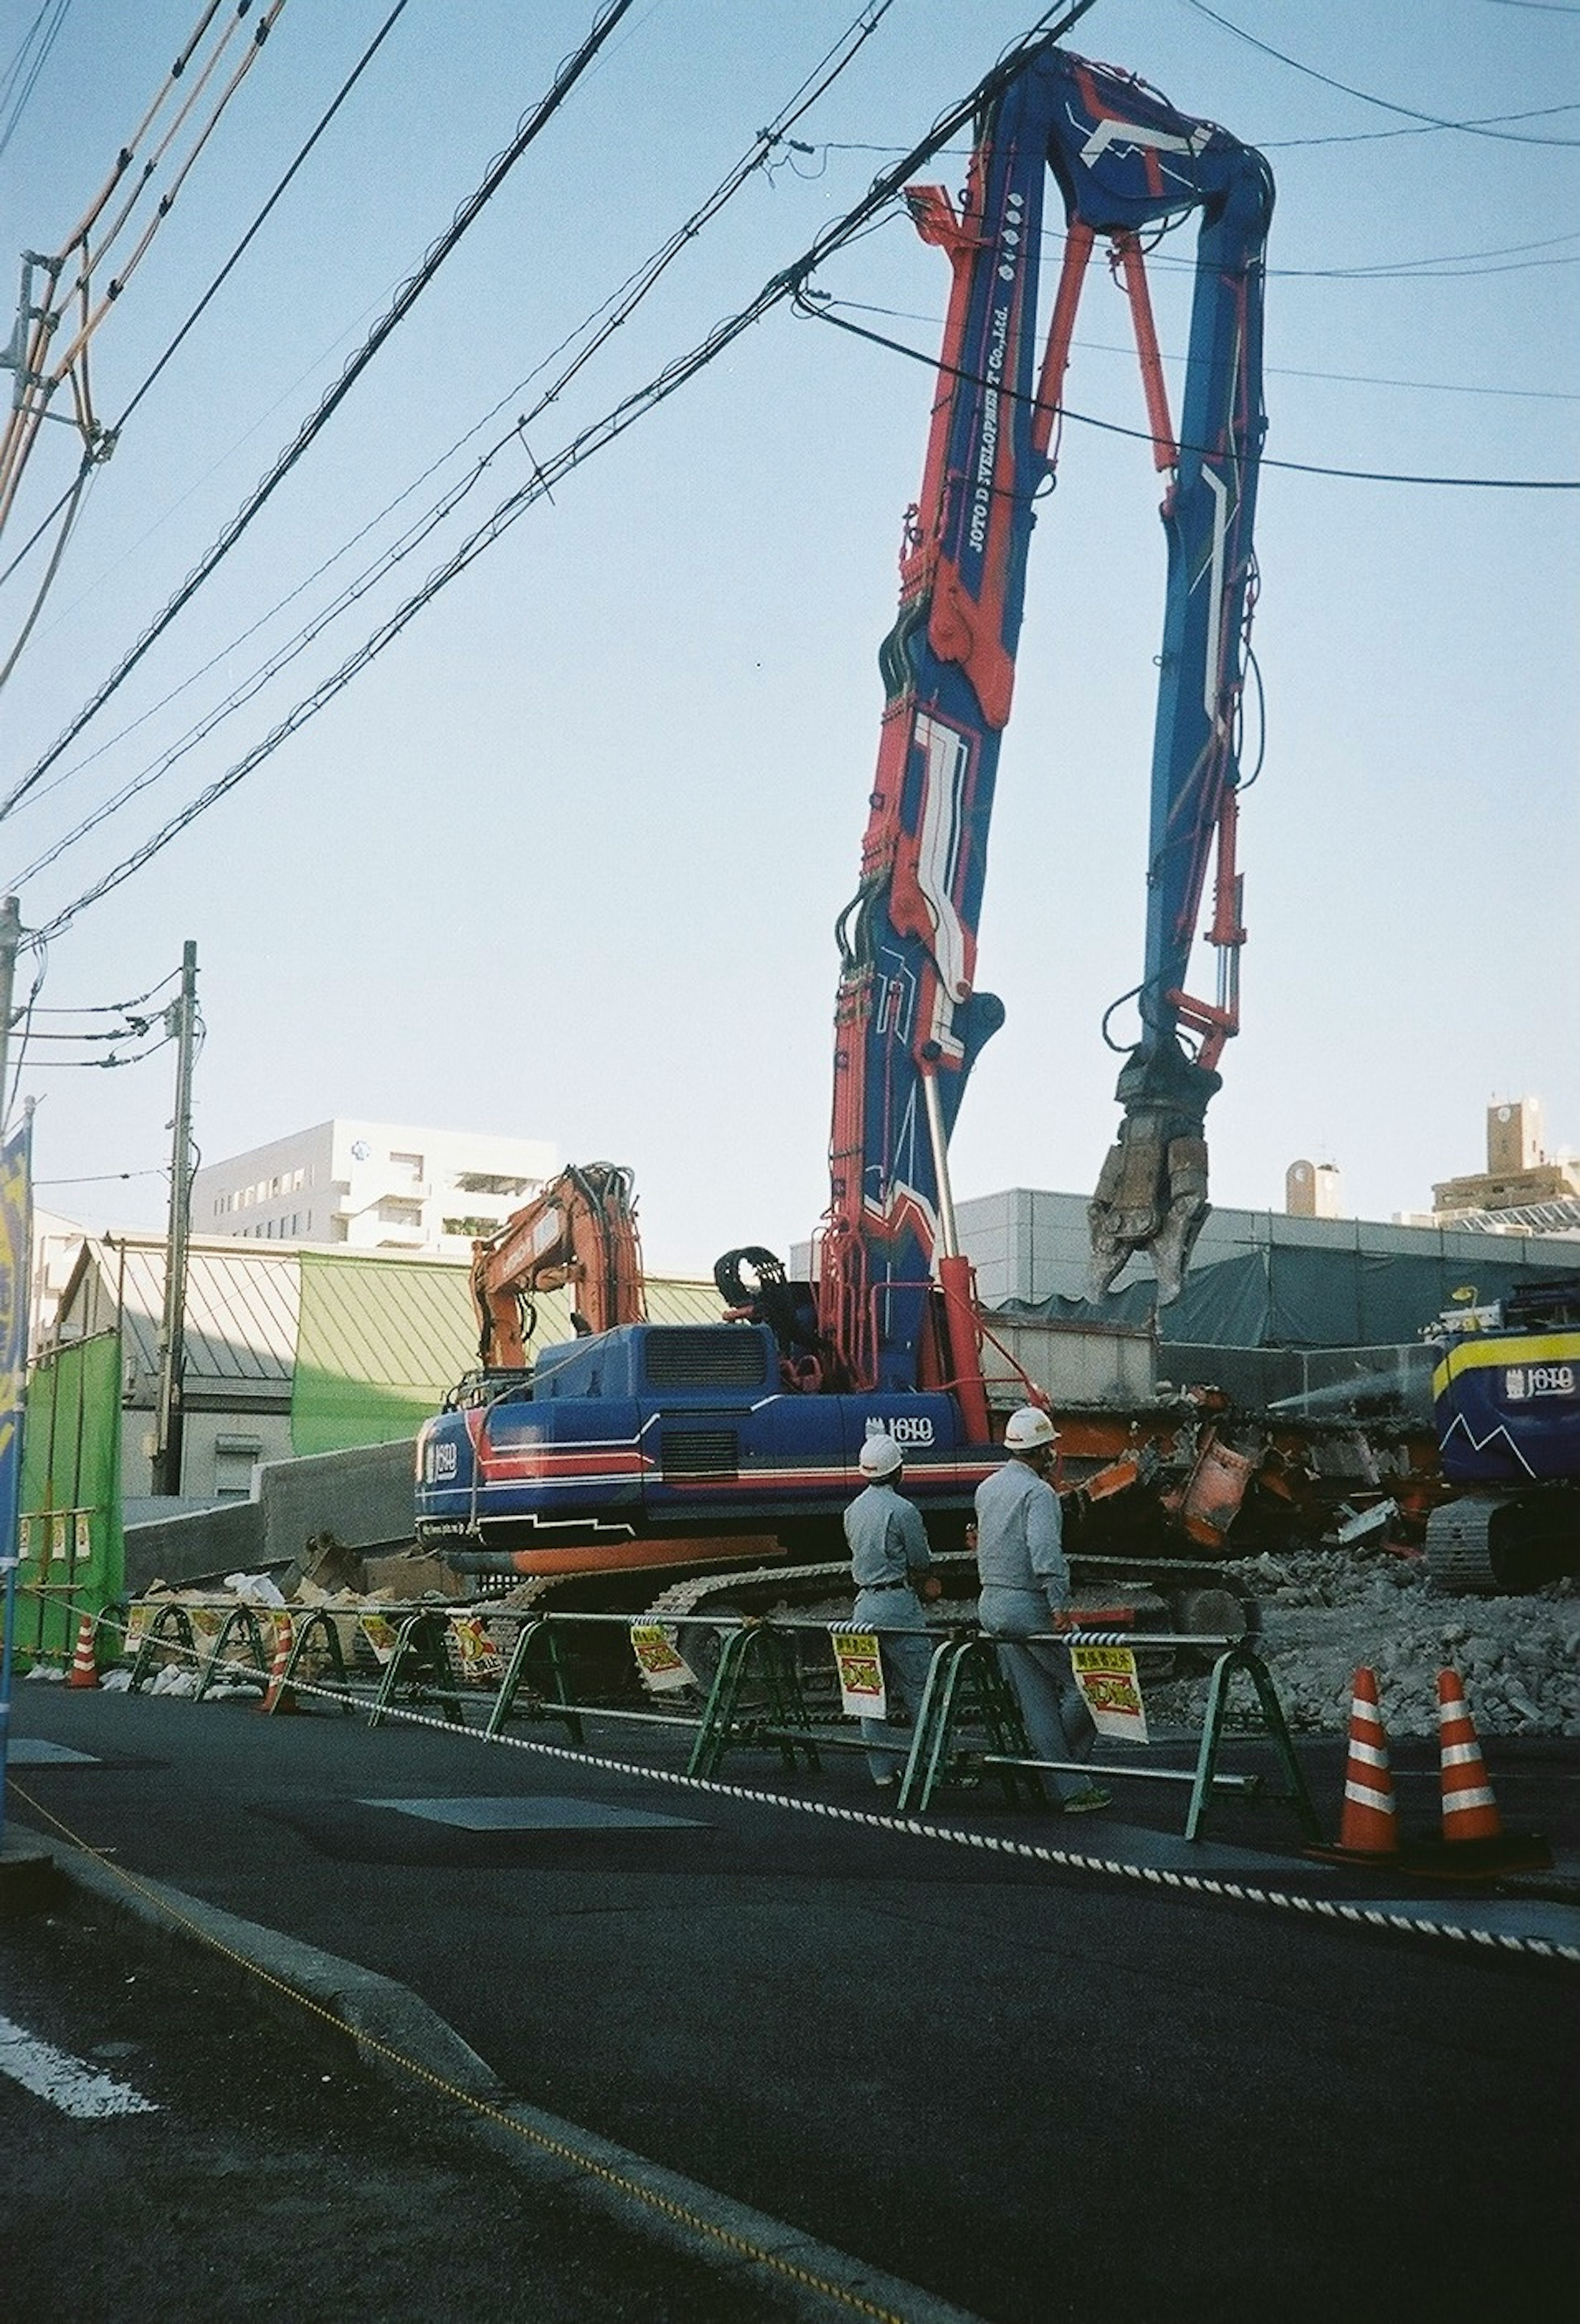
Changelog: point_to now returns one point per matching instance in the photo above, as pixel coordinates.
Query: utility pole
(10, 943)
(180, 1020)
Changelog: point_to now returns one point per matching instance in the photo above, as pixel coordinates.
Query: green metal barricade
(755, 1701)
(537, 1645)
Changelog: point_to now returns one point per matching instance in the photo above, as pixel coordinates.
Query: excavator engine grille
(700, 1453)
(703, 1356)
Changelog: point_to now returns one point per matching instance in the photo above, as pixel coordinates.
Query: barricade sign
(1111, 1685)
(206, 1622)
(137, 1622)
(862, 1691)
(380, 1634)
(661, 1666)
(477, 1655)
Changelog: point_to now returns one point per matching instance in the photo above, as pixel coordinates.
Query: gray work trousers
(906, 1663)
(1058, 1725)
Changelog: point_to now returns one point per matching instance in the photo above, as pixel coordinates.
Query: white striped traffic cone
(1475, 1845)
(1470, 1812)
(281, 1699)
(1369, 1825)
(84, 1670)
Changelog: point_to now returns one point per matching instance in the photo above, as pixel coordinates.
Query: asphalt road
(1039, 2094)
(263, 2173)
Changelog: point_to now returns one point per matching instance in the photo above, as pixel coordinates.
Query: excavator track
(1488, 1545)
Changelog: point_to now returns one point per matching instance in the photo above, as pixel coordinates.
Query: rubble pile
(1324, 1612)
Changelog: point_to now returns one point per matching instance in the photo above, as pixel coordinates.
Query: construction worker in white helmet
(1025, 1582)
(890, 1564)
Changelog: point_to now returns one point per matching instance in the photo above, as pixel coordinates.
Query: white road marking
(50, 2073)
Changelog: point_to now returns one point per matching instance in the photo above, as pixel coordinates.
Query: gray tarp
(1286, 1296)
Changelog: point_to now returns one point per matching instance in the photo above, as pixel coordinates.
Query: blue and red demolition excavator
(614, 1447)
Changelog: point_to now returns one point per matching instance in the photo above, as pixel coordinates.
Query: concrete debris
(1324, 1612)
(174, 1680)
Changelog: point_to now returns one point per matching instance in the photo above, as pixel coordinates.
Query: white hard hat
(1030, 1429)
(879, 1457)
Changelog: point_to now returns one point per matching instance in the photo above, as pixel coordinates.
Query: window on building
(484, 1181)
(471, 1227)
(296, 1177)
(235, 1459)
(393, 1212)
(409, 1164)
(246, 1198)
(339, 1230)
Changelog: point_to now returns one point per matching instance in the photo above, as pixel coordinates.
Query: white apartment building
(372, 1185)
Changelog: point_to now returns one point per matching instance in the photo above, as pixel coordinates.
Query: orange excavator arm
(579, 1230)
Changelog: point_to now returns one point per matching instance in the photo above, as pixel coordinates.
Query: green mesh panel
(72, 1555)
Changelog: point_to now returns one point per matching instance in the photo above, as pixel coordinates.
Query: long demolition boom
(910, 1020)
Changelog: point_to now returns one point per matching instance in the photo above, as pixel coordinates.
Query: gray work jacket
(1020, 1545)
(888, 1540)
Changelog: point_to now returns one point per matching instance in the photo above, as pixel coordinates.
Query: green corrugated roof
(381, 1339)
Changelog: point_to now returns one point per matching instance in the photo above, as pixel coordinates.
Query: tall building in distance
(1522, 1181)
(1312, 1190)
(371, 1185)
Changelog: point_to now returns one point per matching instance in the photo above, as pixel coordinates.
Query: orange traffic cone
(84, 1670)
(279, 1699)
(1470, 1812)
(1369, 1826)
(1474, 1844)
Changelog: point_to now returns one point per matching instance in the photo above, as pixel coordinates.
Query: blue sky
(565, 862)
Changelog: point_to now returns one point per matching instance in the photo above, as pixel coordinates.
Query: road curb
(380, 2017)
(27, 1874)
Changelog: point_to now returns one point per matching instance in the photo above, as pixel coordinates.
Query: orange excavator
(579, 1231)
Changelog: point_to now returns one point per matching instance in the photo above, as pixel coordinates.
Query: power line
(820, 312)
(73, 508)
(531, 127)
(37, 534)
(101, 1177)
(1455, 266)
(1272, 371)
(1385, 104)
(96, 1064)
(595, 438)
(609, 316)
(347, 86)
(1424, 126)
(251, 686)
(67, 279)
(45, 35)
(112, 1008)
